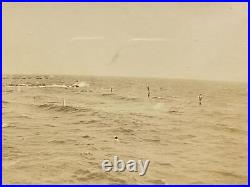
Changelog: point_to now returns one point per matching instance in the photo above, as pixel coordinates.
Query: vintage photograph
(124, 93)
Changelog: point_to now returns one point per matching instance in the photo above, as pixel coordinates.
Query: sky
(206, 41)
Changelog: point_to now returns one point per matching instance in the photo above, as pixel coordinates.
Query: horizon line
(125, 76)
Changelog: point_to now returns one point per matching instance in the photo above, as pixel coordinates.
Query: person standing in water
(148, 91)
(111, 90)
(200, 98)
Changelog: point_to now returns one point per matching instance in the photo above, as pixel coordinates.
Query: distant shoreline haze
(125, 77)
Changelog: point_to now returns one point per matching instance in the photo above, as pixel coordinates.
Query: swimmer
(200, 98)
(116, 139)
(148, 91)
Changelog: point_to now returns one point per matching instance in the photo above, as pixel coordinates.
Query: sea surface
(55, 132)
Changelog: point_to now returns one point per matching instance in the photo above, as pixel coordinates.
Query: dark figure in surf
(200, 98)
(148, 91)
(111, 90)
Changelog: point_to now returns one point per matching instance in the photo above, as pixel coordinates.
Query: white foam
(83, 84)
(57, 86)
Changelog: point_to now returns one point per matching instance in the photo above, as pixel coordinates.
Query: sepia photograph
(125, 93)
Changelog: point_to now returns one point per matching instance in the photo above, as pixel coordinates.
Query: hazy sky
(173, 40)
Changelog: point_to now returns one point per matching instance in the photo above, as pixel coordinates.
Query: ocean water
(56, 133)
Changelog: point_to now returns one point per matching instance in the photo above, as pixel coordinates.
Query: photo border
(111, 1)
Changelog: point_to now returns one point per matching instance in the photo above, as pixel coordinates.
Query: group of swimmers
(200, 97)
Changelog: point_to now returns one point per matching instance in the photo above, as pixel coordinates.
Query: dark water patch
(90, 144)
(57, 141)
(175, 111)
(107, 94)
(92, 121)
(49, 125)
(85, 136)
(8, 91)
(79, 122)
(53, 102)
(57, 108)
(9, 147)
(123, 98)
